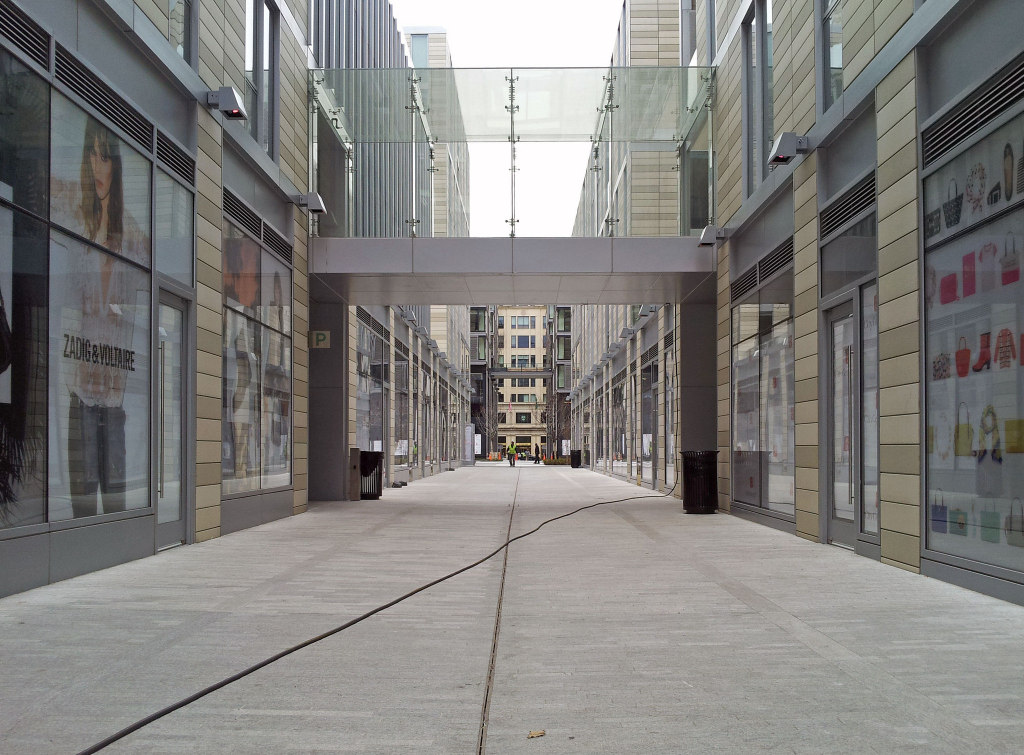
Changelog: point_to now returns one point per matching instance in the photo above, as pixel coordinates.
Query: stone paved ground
(627, 628)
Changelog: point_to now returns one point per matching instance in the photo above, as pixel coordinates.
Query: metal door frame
(849, 302)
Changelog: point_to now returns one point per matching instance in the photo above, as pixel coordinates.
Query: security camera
(312, 202)
(229, 102)
(788, 146)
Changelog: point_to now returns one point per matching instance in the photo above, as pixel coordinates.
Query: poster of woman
(99, 319)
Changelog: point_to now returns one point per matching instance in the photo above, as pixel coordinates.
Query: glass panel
(24, 144)
(370, 391)
(842, 334)
(267, 98)
(241, 271)
(240, 458)
(869, 410)
(179, 34)
(170, 366)
(834, 54)
(778, 394)
(99, 421)
(251, 67)
(746, 437)
(850, 256)
(619, 439)
(99, 186)
(172, 229)
(401, 390)
(276, 417)
(276, 288)
(974, 363)
(24, 361)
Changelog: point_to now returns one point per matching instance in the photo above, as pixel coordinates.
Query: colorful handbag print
(963, 358)
(953, 205)
(1006, 349)
(986, 267)
(948, 289)
(969, 275)
(932, 223)
(990, 525)
(963, 435)
(1009, 262)
(1014, 436)
(942, 366)
(959, 522)
(938, 513)
(1013, 525)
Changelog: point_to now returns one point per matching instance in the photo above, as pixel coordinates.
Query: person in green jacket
(512, 454)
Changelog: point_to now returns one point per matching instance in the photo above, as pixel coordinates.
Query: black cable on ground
(143, 722)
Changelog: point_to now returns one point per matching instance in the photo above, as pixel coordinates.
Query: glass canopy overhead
(634, 104)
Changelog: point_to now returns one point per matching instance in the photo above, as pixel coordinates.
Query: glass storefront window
(24, 361)
(974, 358)
(401, 390)
(275, 419)
(240, 467)
(99, 414)
(869, 410)
(763, 399)
(24, 144)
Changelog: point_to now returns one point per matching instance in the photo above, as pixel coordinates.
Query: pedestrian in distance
(511, 454)
(536, 453)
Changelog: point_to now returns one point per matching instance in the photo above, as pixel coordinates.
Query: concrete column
(331, 426)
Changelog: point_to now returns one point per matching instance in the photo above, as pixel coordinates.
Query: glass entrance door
(841, 414)
(171, 482)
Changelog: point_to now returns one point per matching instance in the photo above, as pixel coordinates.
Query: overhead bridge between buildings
(572, 270)
(519, 372)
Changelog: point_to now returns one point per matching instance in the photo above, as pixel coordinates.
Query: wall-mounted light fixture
(228, 101)
(311, 202)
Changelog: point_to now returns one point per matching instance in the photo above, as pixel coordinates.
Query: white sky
(525, 33)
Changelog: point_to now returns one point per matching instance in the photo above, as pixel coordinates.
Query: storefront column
(723, 355)
(209, 330)
(899, 318)
(805, 347)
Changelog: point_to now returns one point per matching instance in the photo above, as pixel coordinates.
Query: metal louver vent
(90, 88)
(277, 243)
(742, 285)
(364, 317)
(849, 205)
(649, 356)
(775, 261)
(26, 35)
(991, 99)
(175, 158)
(237, 211)
(670, 340)
(402, 349)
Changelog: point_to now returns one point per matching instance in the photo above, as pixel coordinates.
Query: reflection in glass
(169, 463)
(24, 125)
(401, 390)
(275, 421)
(172, 229)
(99, 420)
(842, 419)
(833, 35)
(240, 466)
(850, 256)
(241, 271)
(276, 290)
(746, 423)
(24, 358)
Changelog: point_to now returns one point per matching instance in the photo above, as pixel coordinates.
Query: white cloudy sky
(526, 33)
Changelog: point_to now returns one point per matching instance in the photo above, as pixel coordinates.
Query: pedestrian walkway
(625, 628)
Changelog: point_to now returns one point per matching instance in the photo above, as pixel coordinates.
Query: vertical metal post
(512, 109)
(413, 109)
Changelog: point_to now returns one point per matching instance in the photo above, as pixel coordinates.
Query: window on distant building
(758, 101)
(832, 35)
(261, 52)
(523, 418)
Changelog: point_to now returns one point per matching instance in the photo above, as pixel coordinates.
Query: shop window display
(975, 352)
(763, 399)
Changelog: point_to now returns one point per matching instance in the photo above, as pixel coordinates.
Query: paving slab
(626, 628)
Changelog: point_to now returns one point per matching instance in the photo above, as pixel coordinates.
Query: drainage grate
(90, 88)
(25, 33)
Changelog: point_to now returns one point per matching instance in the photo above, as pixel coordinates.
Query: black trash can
(371, 474)
(700, 482)
(575, 458)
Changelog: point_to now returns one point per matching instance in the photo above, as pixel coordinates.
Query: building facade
(522, 378)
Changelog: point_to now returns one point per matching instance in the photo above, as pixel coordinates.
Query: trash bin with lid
(371, 474)
(700, 482)
(575, 458)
